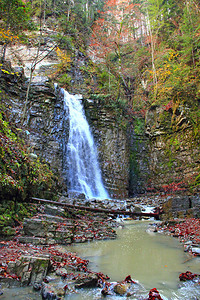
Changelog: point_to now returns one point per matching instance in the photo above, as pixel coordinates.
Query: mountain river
(152, 259)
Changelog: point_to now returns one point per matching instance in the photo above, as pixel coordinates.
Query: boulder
(31, 269)
(121, 288)
(49, 292)
(89, 280)
(61, 272)
(35, 227)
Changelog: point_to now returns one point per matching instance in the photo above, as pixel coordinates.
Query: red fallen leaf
(65, 287)
(187, 276)
(128, 279)
(15, 277)
(154, 295)
(46, 280)
(102, 276)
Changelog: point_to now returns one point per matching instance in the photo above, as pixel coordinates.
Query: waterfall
(84, 175)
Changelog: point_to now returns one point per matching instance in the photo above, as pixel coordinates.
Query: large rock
(121, 288)
(44, 231)
(89, 280)
(31, 269)
(51, 293)
(36, 227)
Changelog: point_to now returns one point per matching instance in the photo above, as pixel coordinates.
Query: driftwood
(155, 214)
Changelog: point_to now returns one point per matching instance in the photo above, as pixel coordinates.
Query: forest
(99, 144)
(139, 55)
(143, 52)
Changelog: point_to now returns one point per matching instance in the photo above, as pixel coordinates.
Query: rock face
(48, 130)
(47, 122)
(46, 125)
(113, 148)
(182, 206)
(139, 162)
(173, 150)
(162, 160)
(173, 160)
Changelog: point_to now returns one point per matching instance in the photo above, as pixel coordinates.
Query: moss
(139, 126)
(20, 176)
(8, 231)
(40, 264)
(12, 214)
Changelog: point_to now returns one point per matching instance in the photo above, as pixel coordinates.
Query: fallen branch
(101, 210)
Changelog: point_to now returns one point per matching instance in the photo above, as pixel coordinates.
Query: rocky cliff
(161, 159)
(174, 155)
(46, 129)
(113, 148)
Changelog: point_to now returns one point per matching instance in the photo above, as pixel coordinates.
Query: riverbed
(154, 259)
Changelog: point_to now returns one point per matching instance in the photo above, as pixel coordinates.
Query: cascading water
(84, 175)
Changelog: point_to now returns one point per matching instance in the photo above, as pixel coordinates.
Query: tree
(114, 39)
(15, 17)
(38, 57)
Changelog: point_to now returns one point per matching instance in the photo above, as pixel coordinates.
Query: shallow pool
(152, 259)
(155, 260)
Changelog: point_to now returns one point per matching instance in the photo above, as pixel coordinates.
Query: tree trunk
(155, 214)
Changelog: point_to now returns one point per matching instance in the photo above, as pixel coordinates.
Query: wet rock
(60, 292)
(121, 288)
(152, 229)
(76, 195)
(48, 292)
(61, 272)
(37, 286)
(136, 209)
(89, 280)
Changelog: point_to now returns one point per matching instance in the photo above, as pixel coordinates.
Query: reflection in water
(153, 259)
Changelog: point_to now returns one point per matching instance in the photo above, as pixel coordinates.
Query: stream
(155, 260)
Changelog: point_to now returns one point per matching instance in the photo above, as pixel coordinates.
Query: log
(156, 214)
